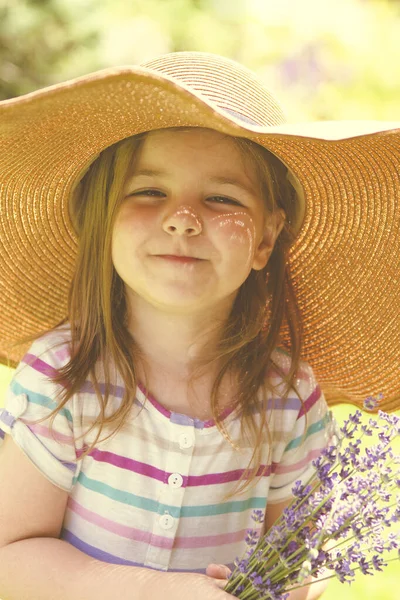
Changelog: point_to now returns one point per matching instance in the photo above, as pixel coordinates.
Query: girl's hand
(219, 572)
(187, 586)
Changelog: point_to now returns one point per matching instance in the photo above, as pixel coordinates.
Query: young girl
(154, 218)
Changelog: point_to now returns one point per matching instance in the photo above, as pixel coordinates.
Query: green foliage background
(330, 60)
(336, 59)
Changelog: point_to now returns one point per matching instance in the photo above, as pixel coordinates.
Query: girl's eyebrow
(149, 172)
(235, 182)
(215, 179)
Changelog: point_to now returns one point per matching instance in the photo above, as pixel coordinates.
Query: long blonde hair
(97, 309)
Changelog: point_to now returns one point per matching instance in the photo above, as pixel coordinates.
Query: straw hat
(346, 258)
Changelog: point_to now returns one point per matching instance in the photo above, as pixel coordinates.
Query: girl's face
(191, 193)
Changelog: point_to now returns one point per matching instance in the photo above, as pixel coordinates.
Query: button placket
(178, 463)
(175, 480)
(186, 440)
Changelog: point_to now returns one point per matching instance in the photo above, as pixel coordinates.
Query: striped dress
(152, 494)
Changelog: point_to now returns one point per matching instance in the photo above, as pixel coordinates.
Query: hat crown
(230, 85)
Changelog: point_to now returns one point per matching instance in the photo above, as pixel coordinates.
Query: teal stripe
(39, 399)
(155, 507)
(314, 428)
(283, 351)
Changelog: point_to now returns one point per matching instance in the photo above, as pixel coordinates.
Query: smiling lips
(179, 259)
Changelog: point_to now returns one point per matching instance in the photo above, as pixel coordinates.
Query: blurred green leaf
(324, 60)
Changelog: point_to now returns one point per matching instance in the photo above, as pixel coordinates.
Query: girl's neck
(176, 344)
(175, 356)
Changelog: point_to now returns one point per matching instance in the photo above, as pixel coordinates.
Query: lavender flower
(351, 501)
(370, 402)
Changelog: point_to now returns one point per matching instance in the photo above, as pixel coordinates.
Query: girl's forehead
(210, 145)
(238, 161)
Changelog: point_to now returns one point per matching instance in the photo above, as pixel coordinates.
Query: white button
(185, 440)
(175, 480)
(166, 521)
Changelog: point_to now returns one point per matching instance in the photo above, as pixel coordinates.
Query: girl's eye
(147, 193)
(158, 193)
(228, 200)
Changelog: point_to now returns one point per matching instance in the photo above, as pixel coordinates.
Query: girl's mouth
(180, 259)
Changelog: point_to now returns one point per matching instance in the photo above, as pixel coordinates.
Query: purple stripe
(180, 419)
(94, 552)
(147, 470)
(6, 417)
(9, 420)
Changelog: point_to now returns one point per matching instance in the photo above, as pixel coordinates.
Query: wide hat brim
(345, 261)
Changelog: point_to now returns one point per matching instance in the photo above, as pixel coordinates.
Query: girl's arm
(52, 569)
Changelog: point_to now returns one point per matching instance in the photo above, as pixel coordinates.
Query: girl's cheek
(136, 222)
(238, 232)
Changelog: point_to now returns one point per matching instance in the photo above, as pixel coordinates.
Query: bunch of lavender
(338, 521)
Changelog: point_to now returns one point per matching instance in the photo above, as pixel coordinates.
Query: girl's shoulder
(304, 384)
(31, 397)
(52, 348)
(41, 362)
(305, 406)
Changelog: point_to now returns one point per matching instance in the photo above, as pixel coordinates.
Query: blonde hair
(97, 310)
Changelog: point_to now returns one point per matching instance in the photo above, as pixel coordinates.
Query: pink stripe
(132, 533)
(63, 353)
(210, 540)
(309, 403)
(45, 432)
(302, 373)
(281, 470)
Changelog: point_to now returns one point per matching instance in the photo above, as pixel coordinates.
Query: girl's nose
(183, 220)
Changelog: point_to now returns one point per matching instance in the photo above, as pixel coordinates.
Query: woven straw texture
(346, 259)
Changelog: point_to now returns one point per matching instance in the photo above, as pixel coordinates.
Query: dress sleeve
(30, 396)
(310, 428)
